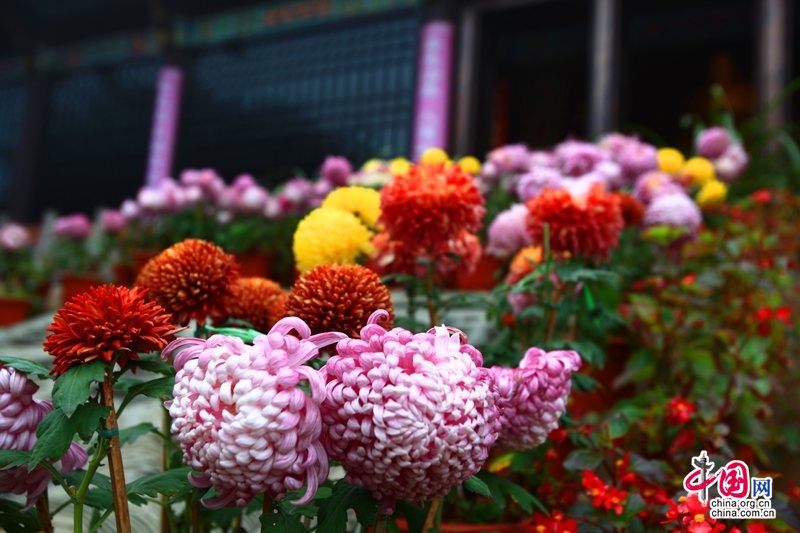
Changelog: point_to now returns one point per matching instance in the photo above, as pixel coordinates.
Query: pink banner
(432, 106)
(165, 123)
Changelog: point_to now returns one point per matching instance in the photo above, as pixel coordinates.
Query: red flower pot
(255, 264)
(75, 284)
(124, 275)
(482, 277)
(13, 310)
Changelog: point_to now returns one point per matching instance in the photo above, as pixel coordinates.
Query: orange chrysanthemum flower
(431, 203)
(583, 226)
(259, 301)
(190, 279)
(525, 262)
(338, 298)
(461, 253)
(105, 321)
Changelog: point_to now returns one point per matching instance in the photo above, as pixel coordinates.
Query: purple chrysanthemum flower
(712, 142)
(508, 232)
(676, 210)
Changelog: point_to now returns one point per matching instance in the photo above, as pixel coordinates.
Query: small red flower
(764, 314)
(555, 523)
(105, 321)
(684, 441)
(679, 411)
(784, 314)
(688, 279)
(761, 196)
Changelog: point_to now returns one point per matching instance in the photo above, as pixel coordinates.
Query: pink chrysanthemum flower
(676, 210)
(637, 158)
(533, 183)
(654, 184)
(508, 232)
(20, 414)
(532, 397)
(242, 418)
(732, 163)
(712, 142)
(336, 170)
(408, 415)
(579, 157)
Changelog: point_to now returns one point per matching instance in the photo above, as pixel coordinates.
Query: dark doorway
(533, 74)
(673, 51)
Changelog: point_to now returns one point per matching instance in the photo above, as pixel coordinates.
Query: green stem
(100, 520)
(99, 453)
(431, 295)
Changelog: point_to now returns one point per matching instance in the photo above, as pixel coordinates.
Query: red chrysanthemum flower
(105, 321)
(584, 226)
(431, 203)
(190, 279)
(338, 298)
(632, 210)
(461, 253)
(259, 301)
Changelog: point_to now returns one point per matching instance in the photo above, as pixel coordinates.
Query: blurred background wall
(271, 87)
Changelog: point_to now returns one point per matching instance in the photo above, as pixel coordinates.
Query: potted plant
(15, 266)
(70, 253)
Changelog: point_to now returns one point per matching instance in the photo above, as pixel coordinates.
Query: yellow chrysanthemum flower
(372, 165)
(328, 236)
(399, 165)
(670, 160)
(712, 194)
(360, 201)
(470, 164)
(700, 169)
(433, 156)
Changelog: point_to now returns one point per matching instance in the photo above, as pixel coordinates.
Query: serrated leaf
(478, 486)
(499, 485)
(160, 388)
(12, 458)
(71, 389)
(173, 481)
(26, 365)
(279, 522)
(86, 419)
(53, 437)
(130, 434)
(582, 460)
(155, 365)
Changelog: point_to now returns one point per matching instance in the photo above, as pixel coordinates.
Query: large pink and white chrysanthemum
(408, 415)
(242, 417)
(20, 415)
(532, 397)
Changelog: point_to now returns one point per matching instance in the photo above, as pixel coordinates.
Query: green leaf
(154, 365)
(53, 437)
(130, 434)
(247, 335)
(171, 482)
(478, 486)
(584, 383)
(498, 484)
(279, 522)
(582, 460)
(72, 387)
(16, 520)
(156, 388)
(12, 458)
(618, 426)
(86, 419)
(25, 365)
(333, 511)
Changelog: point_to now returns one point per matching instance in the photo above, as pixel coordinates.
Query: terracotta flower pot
(13, 310)
(482, 277)
(255, 264)
(75, 284)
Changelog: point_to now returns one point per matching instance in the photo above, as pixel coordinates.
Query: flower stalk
(43, 510)
(118, 490)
